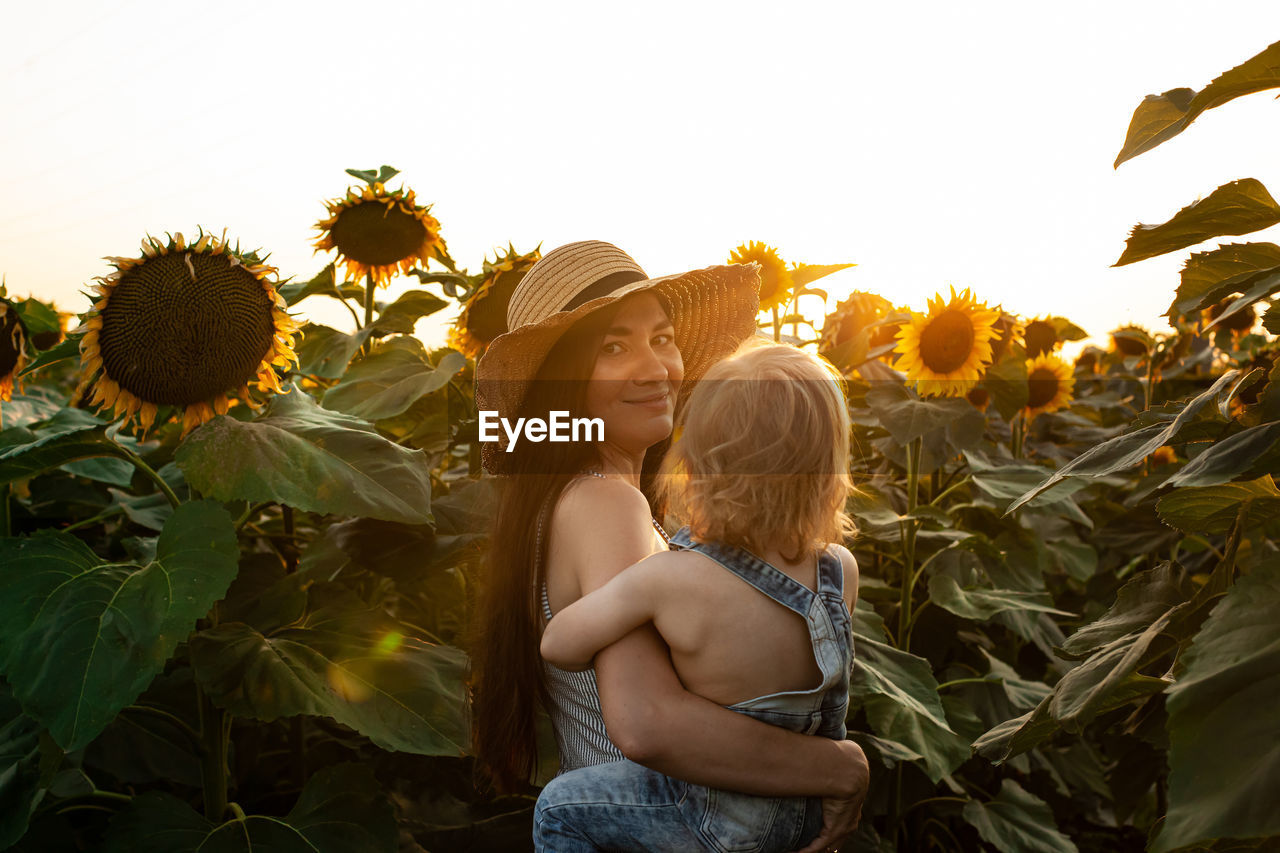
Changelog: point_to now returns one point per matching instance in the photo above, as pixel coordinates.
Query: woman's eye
(611, 348)
(663, 339)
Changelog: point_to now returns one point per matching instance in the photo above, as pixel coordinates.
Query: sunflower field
(238, 551)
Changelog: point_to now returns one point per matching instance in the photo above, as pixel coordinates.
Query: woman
(592, 335)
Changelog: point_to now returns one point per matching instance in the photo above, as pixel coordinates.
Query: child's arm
(598, 619)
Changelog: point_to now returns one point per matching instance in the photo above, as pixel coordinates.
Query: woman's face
(636, 375)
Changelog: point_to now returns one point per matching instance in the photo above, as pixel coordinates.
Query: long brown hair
(508, 679)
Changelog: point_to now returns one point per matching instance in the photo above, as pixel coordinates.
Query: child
(754, 606)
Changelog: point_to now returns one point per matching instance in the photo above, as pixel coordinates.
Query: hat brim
(712, 311)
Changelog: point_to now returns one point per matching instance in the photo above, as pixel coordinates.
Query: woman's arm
(572, 638)
(648, 713)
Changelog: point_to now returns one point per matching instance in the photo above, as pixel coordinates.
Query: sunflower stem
(1016, 434)
(6, 523)
(151, 473)
(368, 312)
(965, 481)
(908, 531)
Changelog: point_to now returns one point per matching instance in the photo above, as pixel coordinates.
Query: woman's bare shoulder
(601, 527)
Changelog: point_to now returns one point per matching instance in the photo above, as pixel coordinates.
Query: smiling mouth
(655, 399)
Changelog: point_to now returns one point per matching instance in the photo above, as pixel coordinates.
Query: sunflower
(12, 348)
(980, 397)
(851, 316)
(484, 314)
(775, 278)
(1041, 336)
(184, 326)
(1008, 331)
(1049, 385)
(1238, 323)
(1130, 340)
(1164, 455)
(944, 351)
(378, 232)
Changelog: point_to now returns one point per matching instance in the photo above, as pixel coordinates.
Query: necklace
(657, 525)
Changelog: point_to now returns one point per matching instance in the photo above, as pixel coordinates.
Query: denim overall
(626, 806)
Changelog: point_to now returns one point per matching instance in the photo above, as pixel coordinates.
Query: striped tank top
(575, 705)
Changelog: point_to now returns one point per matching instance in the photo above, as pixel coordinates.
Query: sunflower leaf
(980, 604)
(1224, 757)
(401, 315)
(69, 435)
(1159, 118)
(804, 274)
(342, 809)
(1231, 268)
(1239, 207)
(20, 788)
(1211, 510)
(81, 637)
(1251, 449)
(344, 660)
(309, 458)
(388, 380)
(1126, 451)
(1271, 319)
(325, 352)
(1017, 820)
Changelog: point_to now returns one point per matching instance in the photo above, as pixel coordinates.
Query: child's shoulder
(849, 565)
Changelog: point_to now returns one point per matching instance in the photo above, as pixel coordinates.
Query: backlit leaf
(309, 458)
(390, 379)
(1161, 117)
(1017, 820)
(1239, 207)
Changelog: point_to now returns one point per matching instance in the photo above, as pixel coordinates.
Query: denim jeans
(626, 806)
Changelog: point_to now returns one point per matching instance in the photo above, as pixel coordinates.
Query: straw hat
(712, 309)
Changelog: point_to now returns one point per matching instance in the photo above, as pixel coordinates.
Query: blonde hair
(762, 460)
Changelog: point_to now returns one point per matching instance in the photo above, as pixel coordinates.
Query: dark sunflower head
(184, 326)
(1240, 322)
(1041, 337)
(12, 348)
(379, 232)
(484, 315)
(1131, 340)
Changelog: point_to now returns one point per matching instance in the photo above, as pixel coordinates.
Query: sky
(931, 143)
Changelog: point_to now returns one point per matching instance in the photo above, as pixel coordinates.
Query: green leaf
(1082, 694)
(1010, 480)
(1141, 601)
(1239, 207)
(1161, 117)
(1271, 319)
(803, 274)
(20, 788)
(1017, 820)
(401, 316)
(70, 435)
(981, 604)
(342, 809)
(1128, 450)
(37, 317)
(325, 352)
(1209, 276)
(908, 417)
(309, 458)
(324, 284)
(1224, 756)
(80, 638)
(344, 661)
(1230, 457)
(64, 350)
(387, 381)
(150, 511)
(1212, 510)
(1007, 384)
(942, 750)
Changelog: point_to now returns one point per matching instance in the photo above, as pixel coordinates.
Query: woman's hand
(840, 815)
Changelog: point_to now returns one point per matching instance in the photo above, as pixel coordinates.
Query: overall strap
(830, 574)
(774, 583)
